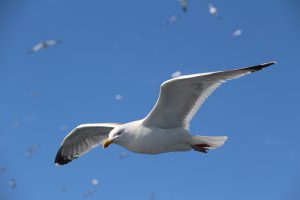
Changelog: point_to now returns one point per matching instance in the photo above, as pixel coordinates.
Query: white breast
(153, 140)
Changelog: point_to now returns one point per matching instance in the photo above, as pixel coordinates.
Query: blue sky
(124, 47)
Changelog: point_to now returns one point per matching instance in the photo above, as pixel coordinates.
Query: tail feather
(204, 143)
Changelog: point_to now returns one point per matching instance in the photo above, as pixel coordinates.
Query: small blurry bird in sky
(183, 4)
(44, 45)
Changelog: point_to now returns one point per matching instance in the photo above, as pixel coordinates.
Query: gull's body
(145, 139)
(165, 129)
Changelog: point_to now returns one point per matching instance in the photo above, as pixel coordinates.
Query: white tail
(204, 143)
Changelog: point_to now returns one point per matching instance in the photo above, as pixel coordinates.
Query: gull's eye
(118, 133)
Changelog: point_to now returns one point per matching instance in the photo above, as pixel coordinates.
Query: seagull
(183, 4)
(3, 169)
(123, 155)
(165, 128)
(237, 33)
(43, 45)
(212, 9)
(30, 150)
(172, 20)
(12, 183)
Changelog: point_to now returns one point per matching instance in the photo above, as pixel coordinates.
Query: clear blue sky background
(124, 47)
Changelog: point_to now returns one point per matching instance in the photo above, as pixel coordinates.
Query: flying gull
(165, 128)
(44, 45)
(183, 4)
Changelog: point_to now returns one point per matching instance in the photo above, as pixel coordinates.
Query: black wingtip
(260, 67)
(264, 65)
(60, 159)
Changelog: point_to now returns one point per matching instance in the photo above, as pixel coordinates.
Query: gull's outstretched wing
(52, 42)
(39, 46)
(81, 140)
(181, 97)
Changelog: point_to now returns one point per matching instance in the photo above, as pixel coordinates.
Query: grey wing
(181, 97)
(52, 42)
(81, 140)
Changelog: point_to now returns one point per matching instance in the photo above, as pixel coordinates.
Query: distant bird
(16, 124)
(118, 97)
(237, 33)
(165, 128)
(89, 193)
(172, 20)
(12, 183)
(123, 155)
(183, 4)
(152, 196)
(3, 169)
(35, 94)
(44, 45)
(63, 127)
(212, 9)
(29, 151)
(95, 182)
(63, 189)
(176, 74)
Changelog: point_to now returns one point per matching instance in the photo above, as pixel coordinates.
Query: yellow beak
(107, 143)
